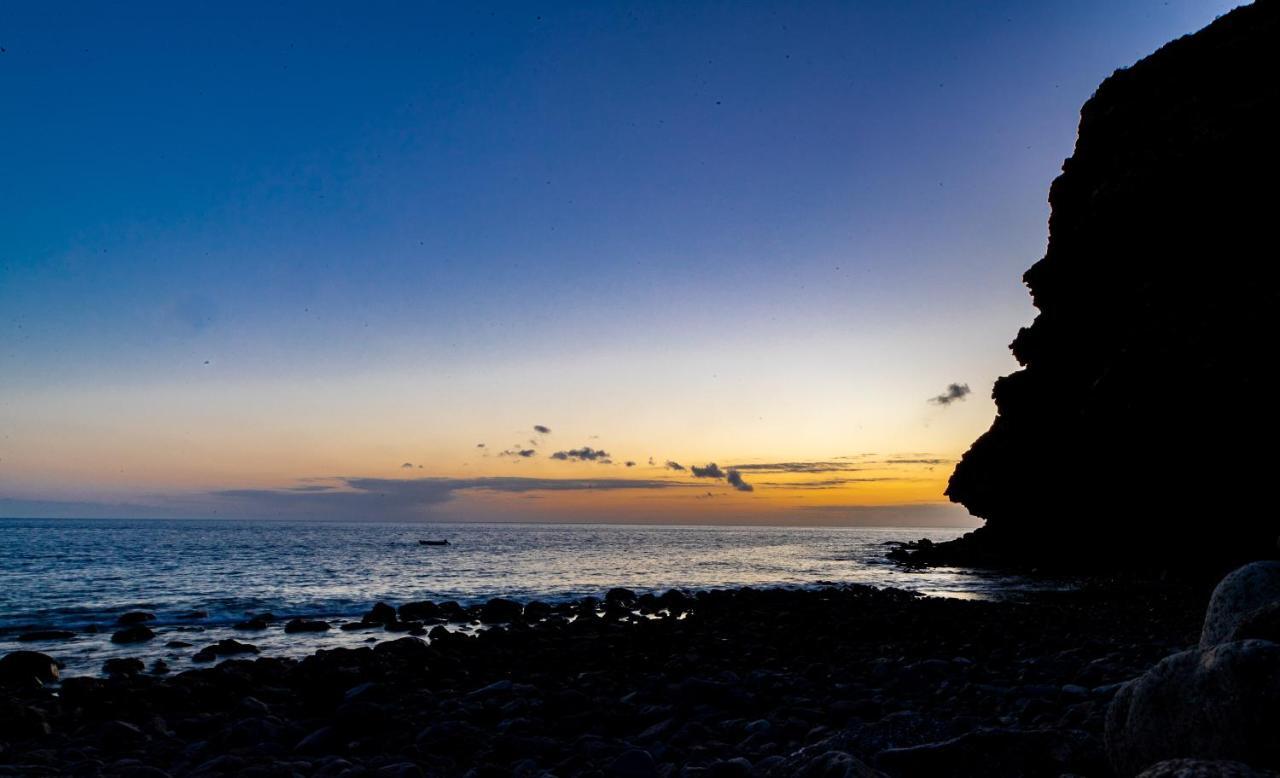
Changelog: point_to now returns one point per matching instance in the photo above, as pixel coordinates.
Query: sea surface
(82, 575)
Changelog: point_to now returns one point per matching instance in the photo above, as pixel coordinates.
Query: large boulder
(1157, 297)
(1203, 768)
(1223, 703)
(1246, 590)
(26, 667)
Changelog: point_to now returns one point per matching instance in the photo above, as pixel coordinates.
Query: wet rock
(1236, 597)
(192, 615)
(294, 626)
(135, 617)
(825, 764)
(624, 598)
(123, 666)
(178, 644)
(134, 634)
(380, 613)
(1219, 704)
(424, 610)
(255, 623)
(159, 667)
(1203, 768)
(21, 667)
(501, 611)
(21, 722)
(45, 634)
(223, 648)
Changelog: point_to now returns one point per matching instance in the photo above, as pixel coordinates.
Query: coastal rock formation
(1220, 701)
(1137, 433)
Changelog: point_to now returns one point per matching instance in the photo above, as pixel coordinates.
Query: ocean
(78, 574)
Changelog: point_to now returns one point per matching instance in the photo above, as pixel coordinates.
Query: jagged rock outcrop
(1140, 429)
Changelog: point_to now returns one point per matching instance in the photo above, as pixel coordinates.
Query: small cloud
(584, 454)
(629, 463)
(516, 451)
(541, 429)
(735, 480)
(712, 470)
(479, 445)
(954, 392)
(674, 465)
(407, 466)
(651, 462)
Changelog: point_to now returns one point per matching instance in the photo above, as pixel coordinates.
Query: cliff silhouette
(1141, 430)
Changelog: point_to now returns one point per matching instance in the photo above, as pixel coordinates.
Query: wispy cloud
(584, 454)
(796, 467)
(542, 429)
(671, 465)
(954, 392)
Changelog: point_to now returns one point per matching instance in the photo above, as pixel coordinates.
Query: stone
(135, 617)
(1219, 704)
(500, 611)
(1235, 597)
(20, 667)
(997, 752)
(46, 634)
(123, 666)
(1203, 768)
(294, 626)
(134, 634)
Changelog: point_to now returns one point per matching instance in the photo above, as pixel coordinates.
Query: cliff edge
(1142, 428)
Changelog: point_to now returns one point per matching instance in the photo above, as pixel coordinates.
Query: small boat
(433, 542)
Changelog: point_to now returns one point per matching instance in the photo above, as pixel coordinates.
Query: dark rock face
(19, 667)
(1157, 299)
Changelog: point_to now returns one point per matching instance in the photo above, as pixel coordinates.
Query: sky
(526, 262)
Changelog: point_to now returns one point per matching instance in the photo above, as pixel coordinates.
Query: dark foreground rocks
(1217, 701)
(844, 681)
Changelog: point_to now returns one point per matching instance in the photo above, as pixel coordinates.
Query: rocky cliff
(1143, 427)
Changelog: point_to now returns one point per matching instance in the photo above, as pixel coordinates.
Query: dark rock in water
(223, 648)
(1223, 703)
(305, 625)
(159, 667)
(1203, 768)
(123, 666)
(255, 623)
(22, 722)
(21, 667)
(135, 617)
(1157, 297)
(134, 634)
(1236, 597)
(420, 611)
(46, 634)
(380, 613)
(192, 615)
(536, 610)
(621, 597)
(177, 644)
(501, 611)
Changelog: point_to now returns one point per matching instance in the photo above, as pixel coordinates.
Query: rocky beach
(844, 680)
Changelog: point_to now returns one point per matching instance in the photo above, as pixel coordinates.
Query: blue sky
(237, 245)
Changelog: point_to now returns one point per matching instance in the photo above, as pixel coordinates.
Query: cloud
(829, 483)
(674, 465)
(630, 463)
(796, 467)
(735, 480)
(954, 392)
(407, 466)
(479, 445)
(584, 454)
(916, 461)
(710, 471)
(541, 429)
(516, 451)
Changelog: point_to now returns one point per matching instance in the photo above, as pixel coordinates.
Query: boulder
(123, 666)
(1203, 768)
(223, 648)
(420, 611)
(1223, 703)
(1244, 591)
(134, 634)
(380, 613)
(501, 611)
(294, 626)
(21, 667)
(135, 617)
(45, 634)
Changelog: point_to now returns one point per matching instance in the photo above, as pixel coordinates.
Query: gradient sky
(254, 263)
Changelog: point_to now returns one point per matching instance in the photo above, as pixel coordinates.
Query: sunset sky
(305, 262)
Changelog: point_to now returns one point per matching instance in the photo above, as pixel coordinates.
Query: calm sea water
(71, 574)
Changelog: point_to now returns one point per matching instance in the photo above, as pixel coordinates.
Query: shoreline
(737, 681)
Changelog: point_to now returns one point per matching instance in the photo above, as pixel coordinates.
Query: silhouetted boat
(433, 542)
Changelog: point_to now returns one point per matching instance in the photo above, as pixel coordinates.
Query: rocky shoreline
(844, 680)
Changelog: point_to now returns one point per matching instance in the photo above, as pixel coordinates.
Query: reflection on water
(72, 573)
